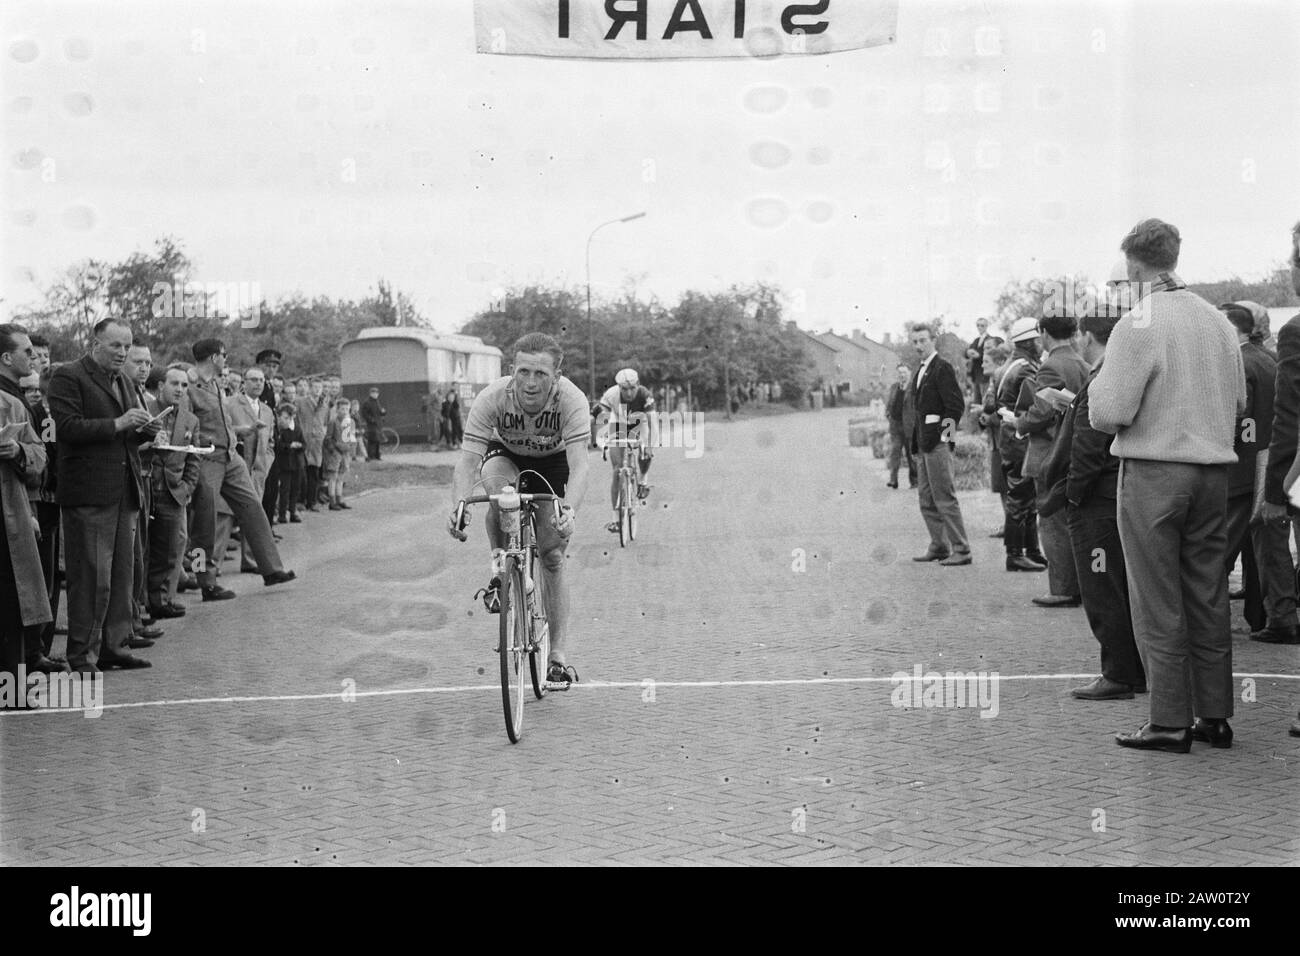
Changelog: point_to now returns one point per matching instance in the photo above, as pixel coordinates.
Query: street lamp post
(591, 331)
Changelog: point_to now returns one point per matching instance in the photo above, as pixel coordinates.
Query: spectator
(898, 440)
(354, 413)
(454, 419)
(996, 358)
(1280, 473)
(1061, 369)
(254, 427)
(173, 477)
(136, 368)
(223, 474)
(40, 637)
(311, 405)
(1020, 533)
(270, 360)
(40, 354)
(372, 416)
(935, 404)
(289, 444)
(975, 360)
(1092, 482)
(337, 451)
(24, 603)
(1170, 390)
(99, 427)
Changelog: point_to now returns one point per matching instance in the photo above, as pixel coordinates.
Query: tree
(1272, 290)
(1032, 297)
(141, 289)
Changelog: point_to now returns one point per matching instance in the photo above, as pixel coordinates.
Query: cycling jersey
(497, 416)
(620, 411)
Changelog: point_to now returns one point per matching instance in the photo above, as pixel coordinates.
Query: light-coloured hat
(1024, 328)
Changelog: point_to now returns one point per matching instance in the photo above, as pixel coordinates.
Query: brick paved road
(766, 773)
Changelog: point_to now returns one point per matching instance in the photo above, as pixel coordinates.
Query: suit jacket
(1094, 471)
(257, 442)
(313, 426)
(894, 406)
(207, 402)
(372, 414)
(1256, 422)
(938, 401)
(1063, 368)
(176, 471)
(1286, 412)
(975, 366)
(16, 476)
(97, 464)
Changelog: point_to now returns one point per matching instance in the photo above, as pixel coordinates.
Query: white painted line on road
(591, 685)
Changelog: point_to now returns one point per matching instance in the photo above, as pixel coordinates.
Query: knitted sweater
(1173, 382)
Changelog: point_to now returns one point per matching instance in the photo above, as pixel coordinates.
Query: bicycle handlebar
(524, 498)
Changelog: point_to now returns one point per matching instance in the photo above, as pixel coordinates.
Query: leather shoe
(1057, 600)
(931, 556)
(956, 560)
(1277, 635)
(45, 665)
(1175, 740)
(1018, 562)
(187, 582)
(1037, 557)
(150, 633)
(1103, 688)
(277, 577)
(295, 519)
(1295, 727)
(1237, 594)
(1214, 731)
(165, 610)
(217, 593)
(136, 643)
(998, 534)
(891, 484)
(248, 569)
(125, 662)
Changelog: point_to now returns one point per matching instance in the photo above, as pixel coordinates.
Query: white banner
(680, 29)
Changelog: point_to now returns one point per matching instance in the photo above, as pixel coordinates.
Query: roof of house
(816, 341)
(840, 341)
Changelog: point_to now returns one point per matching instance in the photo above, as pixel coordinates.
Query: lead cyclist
(630, 405)
(534, 420)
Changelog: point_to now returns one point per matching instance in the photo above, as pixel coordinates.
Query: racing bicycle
(629, 479)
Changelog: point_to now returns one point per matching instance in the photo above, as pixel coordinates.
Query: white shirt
(925, 367)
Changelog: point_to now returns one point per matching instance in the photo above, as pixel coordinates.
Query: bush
(970, 466)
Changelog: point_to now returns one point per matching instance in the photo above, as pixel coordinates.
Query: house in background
(862, 365)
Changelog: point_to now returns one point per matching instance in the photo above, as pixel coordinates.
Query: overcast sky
(315, 146)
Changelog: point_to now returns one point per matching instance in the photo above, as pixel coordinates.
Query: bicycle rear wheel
(634, 505)
(539, 656)
(514, 639)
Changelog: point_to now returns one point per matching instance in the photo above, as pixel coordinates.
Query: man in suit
(24, 604)
(975, 361)
(899, 441)
(1092, 486)
(254, 425)
(136, 368)
(40, 639)
(312, 416)
(1270, 586)
(1275, 508)
(1062, 369)
(173, 477)
(223, 474)
(1170, 391)
(936, 404)
(99, 426)
(270, 360)
(372, 416)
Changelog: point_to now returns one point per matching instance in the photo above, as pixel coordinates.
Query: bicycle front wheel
(539, 657)
(514, 644)
(389, 440)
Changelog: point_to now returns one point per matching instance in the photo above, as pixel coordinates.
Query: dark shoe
(294, 519)
(1036, 556)
(217, 593)
(912, 485)
(312, 507)
(333, 506)
(1295, 727)
(891, 484)
(1175, 740)
(956, 560)
(124, 662)
(1238, 594)
(277, 577)
(1213, 731)
(169, 609)
(187, 582)
(150, 633)
(559, 673)
(1018, 562)
(1103, 688)
(344, 506)
(997, 534)
(136, 643)
(931, 556)
(248, 569)
(642, 492)
(1057, 600)
(281, 519)
(46, 665)
(1277, 635)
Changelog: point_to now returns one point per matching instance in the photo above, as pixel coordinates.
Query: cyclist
(631, 405)
(534, 420)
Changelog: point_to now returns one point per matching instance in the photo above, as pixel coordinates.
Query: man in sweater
(1170, 391)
